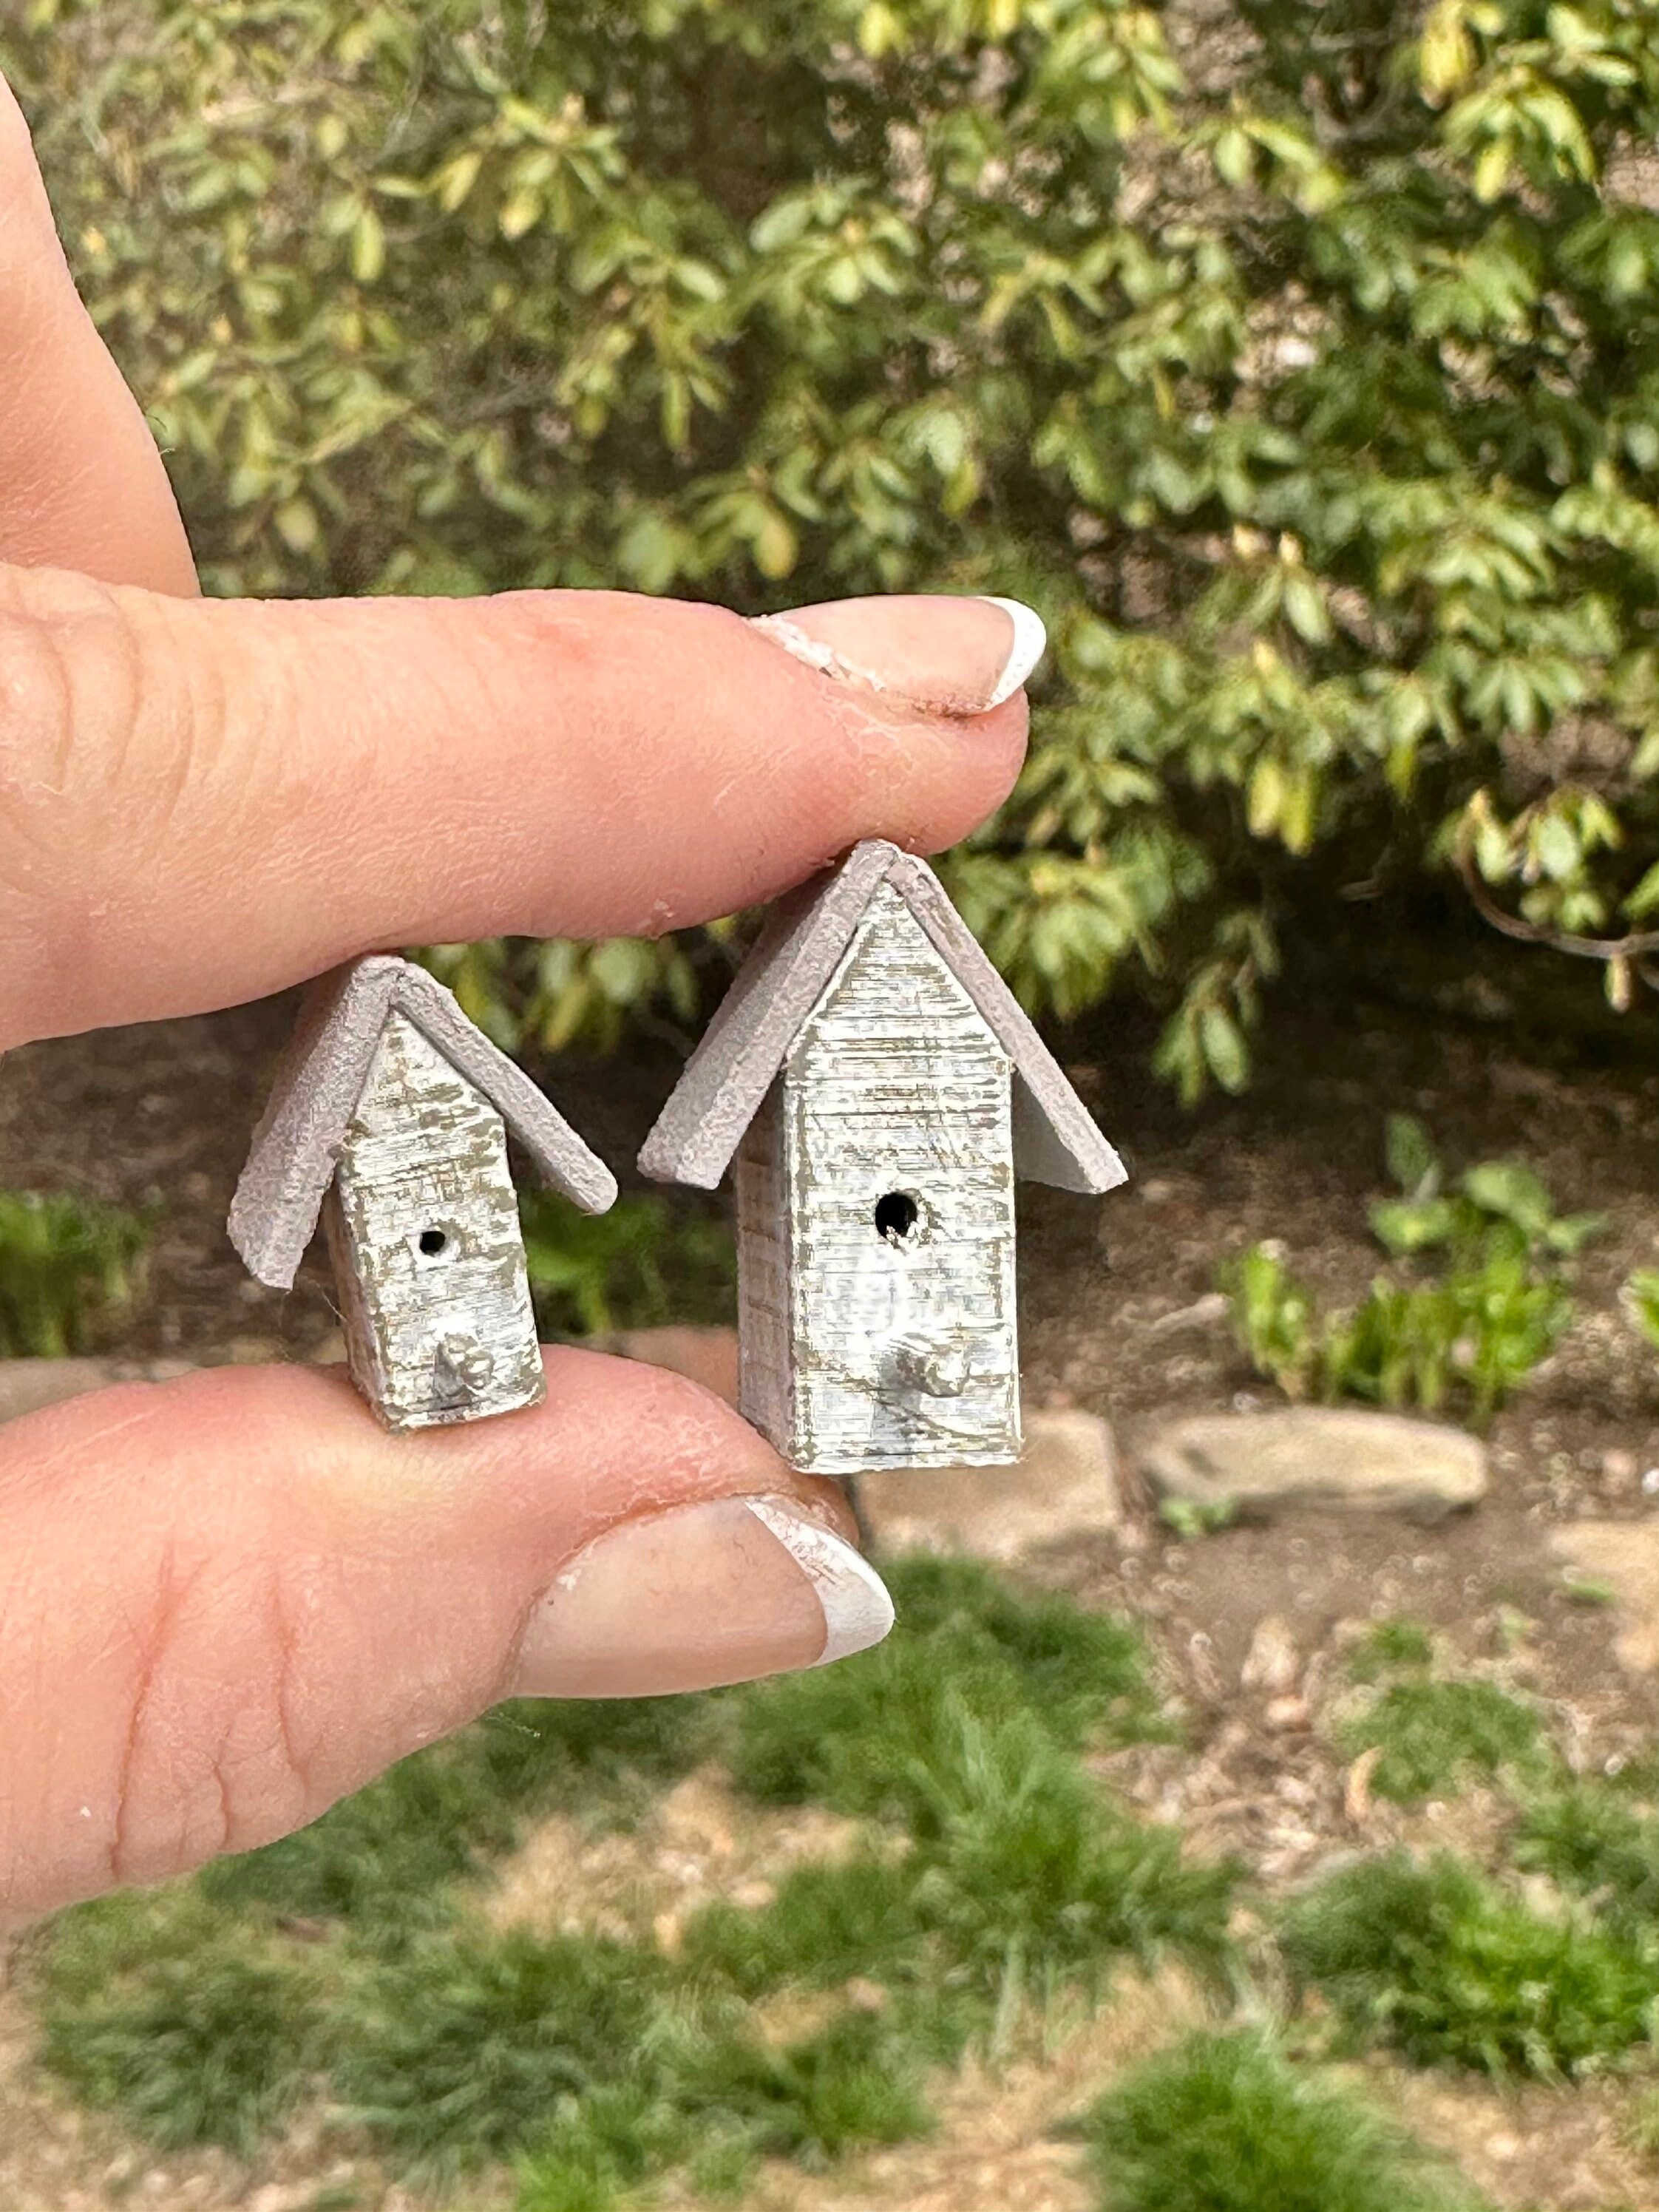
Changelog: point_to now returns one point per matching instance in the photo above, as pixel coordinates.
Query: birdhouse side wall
(763, 1334)
(898, 1164)
(423, 1224)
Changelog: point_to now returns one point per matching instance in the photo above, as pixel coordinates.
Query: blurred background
(1258, 1819)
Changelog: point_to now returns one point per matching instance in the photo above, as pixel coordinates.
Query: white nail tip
(857, 1609)
(1030, 643)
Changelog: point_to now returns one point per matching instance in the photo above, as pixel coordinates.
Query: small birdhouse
(389, 1117)
(879, 1088)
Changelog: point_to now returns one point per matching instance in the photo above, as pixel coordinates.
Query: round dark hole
(433, 1241)
(896, 1216)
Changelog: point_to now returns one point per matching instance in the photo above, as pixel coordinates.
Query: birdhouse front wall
(897, 1170)
(429, 1256)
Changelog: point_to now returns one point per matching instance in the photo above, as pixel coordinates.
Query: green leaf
(1413, 1162)
(367, 246)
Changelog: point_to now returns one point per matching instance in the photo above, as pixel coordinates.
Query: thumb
(226, 1602)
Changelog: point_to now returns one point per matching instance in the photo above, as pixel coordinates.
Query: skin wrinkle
(151, 1645)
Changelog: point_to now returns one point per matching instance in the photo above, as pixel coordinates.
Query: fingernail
(951, 656)
(718, 1592)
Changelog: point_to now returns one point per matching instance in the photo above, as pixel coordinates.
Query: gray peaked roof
(798, 950)
(296, 1146)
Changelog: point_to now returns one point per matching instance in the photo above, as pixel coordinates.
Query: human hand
(227, 1601)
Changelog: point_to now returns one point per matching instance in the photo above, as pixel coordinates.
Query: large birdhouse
(879, 1088)
(389, 1118)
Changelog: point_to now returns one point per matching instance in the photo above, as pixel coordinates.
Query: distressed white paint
(433, 1337)
(898, 1354)
(764, 1246)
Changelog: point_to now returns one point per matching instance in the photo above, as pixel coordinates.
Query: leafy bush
(1225, 2123)
(1452, 1969)
(69, 1269)
(1474, 1330)
(1640, 1297)
(1310, 391)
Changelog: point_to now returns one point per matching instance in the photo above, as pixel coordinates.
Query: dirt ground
(1118, 1315)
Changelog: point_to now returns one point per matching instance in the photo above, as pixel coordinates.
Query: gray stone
(1065, 1484)
(1621, 1557)
(1316, 1456)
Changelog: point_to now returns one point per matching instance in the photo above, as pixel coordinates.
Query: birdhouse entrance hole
(898, 1217)
(432, 1242)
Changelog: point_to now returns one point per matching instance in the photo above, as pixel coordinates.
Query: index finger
(203, 801)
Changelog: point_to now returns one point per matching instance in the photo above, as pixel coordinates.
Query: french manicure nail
(959, 656)
(722, 1591)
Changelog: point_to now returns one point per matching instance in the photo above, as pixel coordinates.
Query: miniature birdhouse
(390, 1117)
(879, 1088)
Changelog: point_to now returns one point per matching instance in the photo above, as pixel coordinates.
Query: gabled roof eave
(750, 1037)
(296, 1146)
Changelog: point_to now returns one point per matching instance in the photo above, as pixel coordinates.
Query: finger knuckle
(85, 677)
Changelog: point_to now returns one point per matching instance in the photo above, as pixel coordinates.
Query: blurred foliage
(68, 1268)
(1303, 372)
(1477, 1300)
(593, 1273)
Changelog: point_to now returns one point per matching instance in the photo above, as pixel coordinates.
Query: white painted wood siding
(895, 1084)
(433, 1336)
(763, 1243)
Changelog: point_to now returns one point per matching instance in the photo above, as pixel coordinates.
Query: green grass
(180, 2018)
(996, 1876)
(1590, 1840)
(1434, 1737)
(458, 2051)
(386, 1861)
(1399, 1645)
(1024, 1880)
(1452, 1969)
(867, 1737)
(855, 2084)
(1224, 2124)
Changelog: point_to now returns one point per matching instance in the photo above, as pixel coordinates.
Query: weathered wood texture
(321, 1078)
(423, 1227)
(763, 1247)
(902, 1348)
